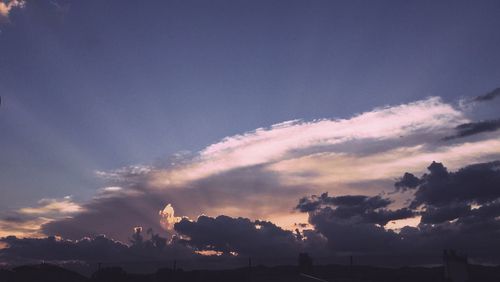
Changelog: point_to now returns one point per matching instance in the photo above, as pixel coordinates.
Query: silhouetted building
(109, 274)
(305, 263)
(456, 267)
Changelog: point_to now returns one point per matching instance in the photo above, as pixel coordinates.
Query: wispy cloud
(20, 227)
(292, 138)
(488, 96)
(327, 169)
(473, 128)
(53, 206)
(26, 222)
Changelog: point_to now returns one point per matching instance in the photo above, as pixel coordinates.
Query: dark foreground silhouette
(52, 273)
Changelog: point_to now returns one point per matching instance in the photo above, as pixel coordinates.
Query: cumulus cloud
(362, 209)
(239, 235)
(168, 218)
(476, 183)
(221, 236)
(100, 248)
(459, 210)
(433, 215)
(7, 6)
(461, 206)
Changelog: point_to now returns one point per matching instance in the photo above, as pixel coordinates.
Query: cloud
(433, 215)
(408, 181)
(7, 6)
(472, 128)
(238, 235)
(360, 208)
(271, 168)
(50, 206)
(458, 209)
(295, 138)
(26, 222)
(354, 224)
(54, 248)
(476, 183)
(111, 213)
(488, 96)
(233, 193)
(91, 250)
(22, 226)
(461, 206)
(168, 218)
(333, 169)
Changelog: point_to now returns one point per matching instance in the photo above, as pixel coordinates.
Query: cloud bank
(458, 210)
(253, 181)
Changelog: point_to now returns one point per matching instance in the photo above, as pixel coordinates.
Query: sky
(291, 120)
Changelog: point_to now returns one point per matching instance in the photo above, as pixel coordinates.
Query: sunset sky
(293, 122)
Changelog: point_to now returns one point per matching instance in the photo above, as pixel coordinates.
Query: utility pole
(249, 269)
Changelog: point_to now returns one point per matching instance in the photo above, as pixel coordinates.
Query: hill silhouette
(40, 273)
(51, 273)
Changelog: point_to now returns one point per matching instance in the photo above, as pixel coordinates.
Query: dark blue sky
(95, 85)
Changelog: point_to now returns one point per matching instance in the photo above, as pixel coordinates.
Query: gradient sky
(94, 90)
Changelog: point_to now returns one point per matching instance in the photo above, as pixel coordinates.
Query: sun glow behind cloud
(168, 218)
(7, 6)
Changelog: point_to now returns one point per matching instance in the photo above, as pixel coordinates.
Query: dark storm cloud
(224, 234)
(241, 235)
(408, 181)
(353, 223)
(364, 208)
(478, 238)
(459, 210)
(471, 232)
(468, 129)
(462, 212)
(358, 202)
(144, 246)
(50, 248)
(438, 215)
(352, 235)
(488, 96)
(467, 195)
(477, 183)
